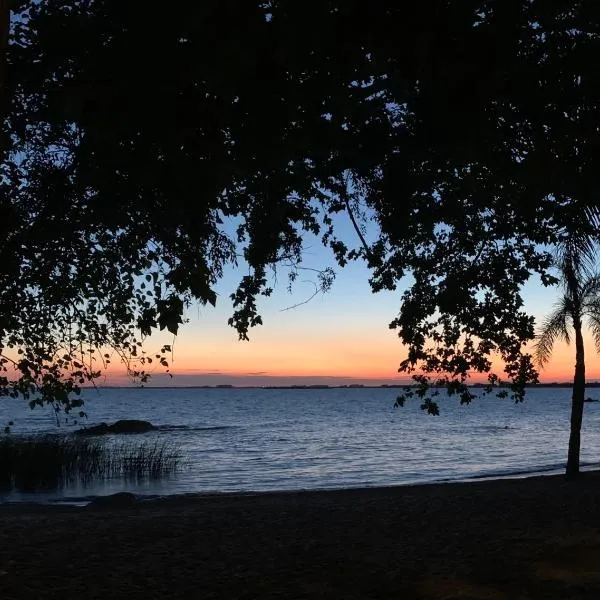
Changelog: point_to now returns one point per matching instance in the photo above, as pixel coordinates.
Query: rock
(131, 426)
(118, 500)
(122, 426)
(95, 430)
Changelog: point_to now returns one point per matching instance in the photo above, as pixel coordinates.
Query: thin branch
(361, 237)
(316, 293)
(479, 252)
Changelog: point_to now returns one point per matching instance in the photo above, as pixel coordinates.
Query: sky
(338, 338)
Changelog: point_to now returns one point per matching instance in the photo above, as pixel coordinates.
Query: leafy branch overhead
(466, 130)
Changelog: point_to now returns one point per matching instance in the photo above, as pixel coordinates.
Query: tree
(526, 158)
(466, 128)
(580, 301)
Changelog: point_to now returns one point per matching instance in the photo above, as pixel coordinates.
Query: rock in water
(131, 426)
(94, 430)
(122, 426)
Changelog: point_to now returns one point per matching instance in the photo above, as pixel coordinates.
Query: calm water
(251, 440)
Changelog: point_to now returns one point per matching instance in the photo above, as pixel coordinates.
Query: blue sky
(339, 337)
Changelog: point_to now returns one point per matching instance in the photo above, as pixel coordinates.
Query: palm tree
(579, 302)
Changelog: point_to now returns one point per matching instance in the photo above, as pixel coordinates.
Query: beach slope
(528, 538)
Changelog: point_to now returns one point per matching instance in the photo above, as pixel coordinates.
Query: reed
(46, 462)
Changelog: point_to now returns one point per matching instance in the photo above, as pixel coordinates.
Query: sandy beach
(529, 538)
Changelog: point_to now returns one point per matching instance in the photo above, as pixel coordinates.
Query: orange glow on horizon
(338, 359)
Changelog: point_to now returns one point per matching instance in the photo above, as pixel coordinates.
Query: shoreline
(535, 537)
(84, 500)
(150, 501)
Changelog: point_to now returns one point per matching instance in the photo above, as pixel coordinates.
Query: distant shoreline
(352, 386)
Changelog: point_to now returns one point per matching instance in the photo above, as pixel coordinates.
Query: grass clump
(145, 460)
(50, 462)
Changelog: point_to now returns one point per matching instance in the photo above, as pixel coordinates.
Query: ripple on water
(257, 440)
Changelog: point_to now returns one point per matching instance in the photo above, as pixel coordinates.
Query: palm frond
(576, 255)
(577, 252)
(593, 318)
(554, 327)
(591, 215)
(568, 262)
(590, 288)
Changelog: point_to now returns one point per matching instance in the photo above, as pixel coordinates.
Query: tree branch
(361, 237)
(316, 292)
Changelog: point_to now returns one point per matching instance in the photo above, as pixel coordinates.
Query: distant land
(227, 386)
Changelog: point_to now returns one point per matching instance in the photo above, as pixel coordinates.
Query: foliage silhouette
(467, 129)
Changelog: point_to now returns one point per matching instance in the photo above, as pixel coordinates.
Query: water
(258, 439)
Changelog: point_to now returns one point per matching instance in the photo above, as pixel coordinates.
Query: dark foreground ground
(533, 538)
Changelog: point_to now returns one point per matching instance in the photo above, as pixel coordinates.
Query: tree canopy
(468, 129)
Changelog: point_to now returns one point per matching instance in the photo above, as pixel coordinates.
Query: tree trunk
(577, 403)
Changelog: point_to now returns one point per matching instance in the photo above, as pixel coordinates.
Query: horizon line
(593, 383)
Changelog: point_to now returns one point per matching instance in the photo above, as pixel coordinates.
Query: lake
(292, 439)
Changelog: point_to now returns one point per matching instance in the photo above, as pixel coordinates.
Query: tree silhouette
(466, 128)
(580, 302)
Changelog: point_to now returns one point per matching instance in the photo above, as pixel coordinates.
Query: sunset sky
(341, 337)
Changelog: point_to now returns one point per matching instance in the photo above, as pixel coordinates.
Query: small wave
(519, 472)
(590, 465)
(196, 427)
(497, 428)
(82, 501)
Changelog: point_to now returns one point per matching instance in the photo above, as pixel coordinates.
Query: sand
(529, 538)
